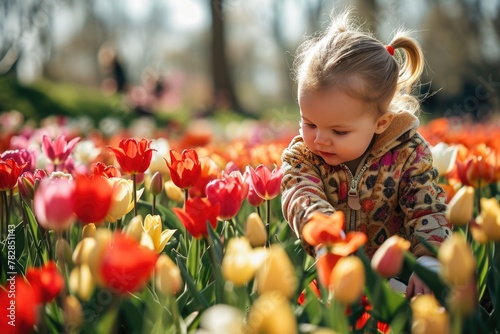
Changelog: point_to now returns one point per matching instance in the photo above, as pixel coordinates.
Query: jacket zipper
(353, 195)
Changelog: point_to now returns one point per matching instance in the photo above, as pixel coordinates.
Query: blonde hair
(347, 58)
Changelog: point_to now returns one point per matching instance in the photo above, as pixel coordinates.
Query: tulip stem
(5, 217)
(134, 193)
(153, 206)
(268, 221)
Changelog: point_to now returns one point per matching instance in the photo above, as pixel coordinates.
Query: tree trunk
(224, 95)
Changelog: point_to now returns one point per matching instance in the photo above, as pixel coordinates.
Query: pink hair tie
(390, 49)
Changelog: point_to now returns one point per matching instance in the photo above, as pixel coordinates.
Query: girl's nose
(322, 138)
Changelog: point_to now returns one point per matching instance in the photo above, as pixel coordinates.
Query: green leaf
(201, 302)
(482, 254)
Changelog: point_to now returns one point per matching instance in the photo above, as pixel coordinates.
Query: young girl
(359, 150)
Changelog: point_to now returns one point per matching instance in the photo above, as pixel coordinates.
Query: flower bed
(107, 231)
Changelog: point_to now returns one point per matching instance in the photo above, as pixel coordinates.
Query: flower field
(141, 229)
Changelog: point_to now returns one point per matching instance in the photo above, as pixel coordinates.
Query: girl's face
(337, 127)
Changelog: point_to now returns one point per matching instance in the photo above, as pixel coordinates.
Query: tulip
(101, 169)
(348, 279)
(135, 228)
(463, 300)
(126, 274)
(73, 314)
(227, 193)
(428, 316)
(209, 171)
(185, 168)
(461, 207)
(121, 198)
(156, 184)
(195, 215)
(327, 233)
(26, 184)
(93, 199)
(277, 273)
(89, 231)
(489, 219)
(266, 184)
(388, 258)
(167, 276)
(271, 314)
(240, 261)
(10, 171)
(458, 264)
(86, 152)
(46, 281)
(444, 157)
(57, 151)
(103, 239)
(81, 282)
(173, 192)
(253, 198)
(53, 204)
(255, 231)
(153, 227)
(478, 168)
(23, 157)
(24, 313)
(222, 319)
(134, 157)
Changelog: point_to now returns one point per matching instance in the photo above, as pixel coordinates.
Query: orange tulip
(92, 199)
(46, 281)
(10, 170)
(328, 231)
(388, 259)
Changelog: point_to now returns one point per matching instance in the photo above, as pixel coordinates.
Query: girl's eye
(309, 125)
(340, 133)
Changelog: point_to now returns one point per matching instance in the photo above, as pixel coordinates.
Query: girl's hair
(353, 60)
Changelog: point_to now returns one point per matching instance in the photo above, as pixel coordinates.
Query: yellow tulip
(461, 206)
(88, 231)
(135, 229)
(458, 264)
(82, 251)
(103, 239)
(348, 279)
(173, 192)
(81, 282)
(463, 300)
(222, 319)
(153, 227)
(277, 273)
(240, 261)
(428, 316)
(271, 314)
(167, 276)
(121, 198)
(255, 230)
(73, 314)
(489, 219)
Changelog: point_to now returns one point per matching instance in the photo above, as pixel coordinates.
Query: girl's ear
(383, 122)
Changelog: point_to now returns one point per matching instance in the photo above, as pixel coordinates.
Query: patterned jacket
(394, 191)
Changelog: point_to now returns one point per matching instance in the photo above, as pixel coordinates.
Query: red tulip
(134, 157)
(10, 170)
(195, 215)
(126, 266)
(53, 203)
(328, 233)
(101, 169)
(92, 199)
(17, 306)
(185, 168)
(227, 193)
(57, 151)
(266, 184)
(22, 157)
(46, 281)
(252, 197)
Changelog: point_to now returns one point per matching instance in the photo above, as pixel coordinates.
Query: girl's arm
(302, 187)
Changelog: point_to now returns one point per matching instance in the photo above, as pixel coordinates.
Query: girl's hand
(416, 287)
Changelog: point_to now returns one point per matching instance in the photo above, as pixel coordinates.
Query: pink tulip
(21, 156)
(57, 151)
(253, 198)
(53, 204)
(388, 259)
(226, 192)
(266, 184)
